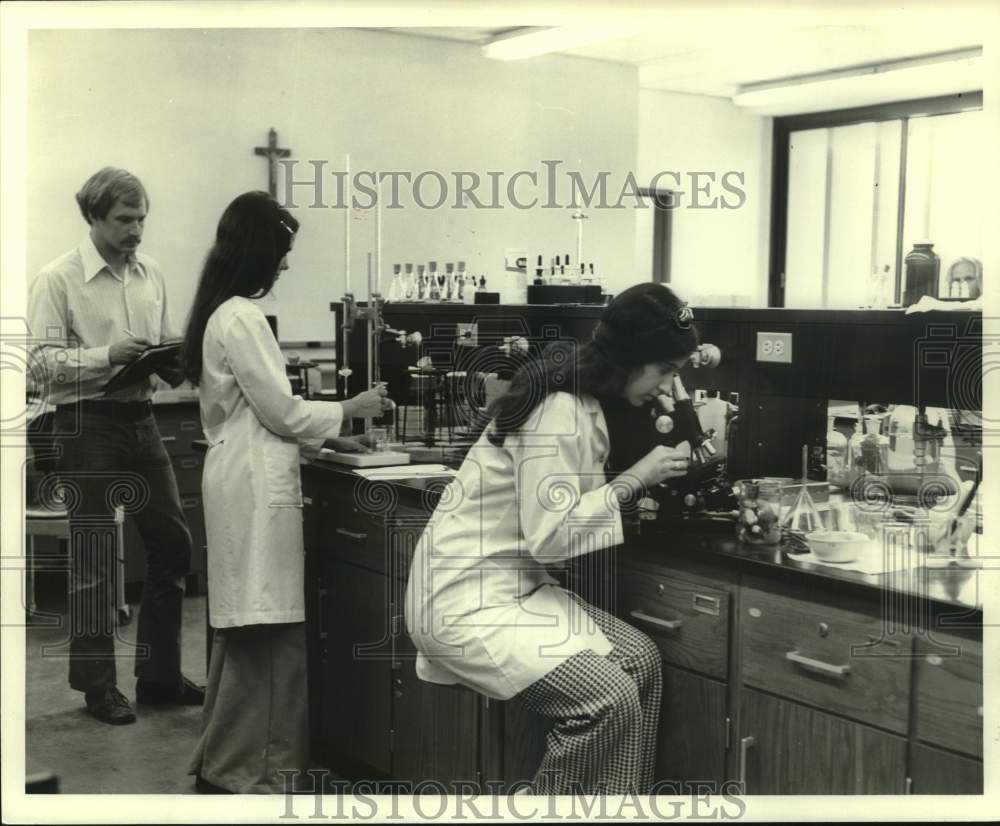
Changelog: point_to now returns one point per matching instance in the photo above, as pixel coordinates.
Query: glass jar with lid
(760, 509)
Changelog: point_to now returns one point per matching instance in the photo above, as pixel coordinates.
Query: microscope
(675, 420)
(672, 420)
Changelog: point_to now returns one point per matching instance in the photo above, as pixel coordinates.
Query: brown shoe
(110, 706)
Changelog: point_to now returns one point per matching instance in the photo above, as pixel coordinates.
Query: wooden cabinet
(833, 657)
(694, 729)
(435, 727)
(357, 676)
(936, 771)
(688, 621)
(949, 685)
(518, 739)
(788, 748)
(688, 617)
(375, 718)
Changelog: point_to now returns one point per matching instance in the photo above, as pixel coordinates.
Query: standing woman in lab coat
(480, 606)
(255, 719)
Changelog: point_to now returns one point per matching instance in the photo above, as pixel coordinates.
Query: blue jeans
(116, 458)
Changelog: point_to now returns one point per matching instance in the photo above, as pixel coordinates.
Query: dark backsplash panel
(932, 359)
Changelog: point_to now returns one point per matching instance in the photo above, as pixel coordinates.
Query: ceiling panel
(702, 53)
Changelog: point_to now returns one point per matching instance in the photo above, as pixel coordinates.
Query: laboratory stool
(40, 522)
(47, 522)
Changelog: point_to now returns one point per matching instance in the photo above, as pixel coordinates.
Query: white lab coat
(480, 606)
(251, 485)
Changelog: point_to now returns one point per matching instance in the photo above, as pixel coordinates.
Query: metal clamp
(670, 625)
(818, 666)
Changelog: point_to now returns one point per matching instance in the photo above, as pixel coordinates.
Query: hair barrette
(684, 316)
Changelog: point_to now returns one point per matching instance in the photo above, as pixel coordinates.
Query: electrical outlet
(774, 347)
(467, 335)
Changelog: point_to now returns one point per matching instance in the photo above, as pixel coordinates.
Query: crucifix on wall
(272, 152)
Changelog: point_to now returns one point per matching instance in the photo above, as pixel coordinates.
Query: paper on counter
(406, 472)
(927, 302)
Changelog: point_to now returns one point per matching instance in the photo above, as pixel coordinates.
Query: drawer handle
(307, 500)
(819, 666)
(189, 425)
(745, 744)
(670, 625)
(356, 537)
(168, 439)
(189, 503)
(705, 605)
(187, 464)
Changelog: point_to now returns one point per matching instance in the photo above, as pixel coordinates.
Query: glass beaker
(760, 509)
(378, 438)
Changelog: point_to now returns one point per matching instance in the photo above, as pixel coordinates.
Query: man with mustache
(94, 310)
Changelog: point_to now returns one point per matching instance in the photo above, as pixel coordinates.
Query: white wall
(183, 110)
(717, 253)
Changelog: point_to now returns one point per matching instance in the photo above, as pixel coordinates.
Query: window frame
(784, 126)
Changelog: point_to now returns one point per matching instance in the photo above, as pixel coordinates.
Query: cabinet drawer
(689, 622)
(949, 684)
(834, 658)
(181, 443)
(354, 537)
(178, 429)
(188, 471)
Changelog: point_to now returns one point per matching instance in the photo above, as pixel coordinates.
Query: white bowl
(836, 546)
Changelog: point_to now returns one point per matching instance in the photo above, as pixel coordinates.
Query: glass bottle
(836, 454)
(923, 268)
(435, 292)
(421, 283)
(396, 286)
(410, 285)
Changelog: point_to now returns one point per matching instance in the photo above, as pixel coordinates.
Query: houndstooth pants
(605, 712)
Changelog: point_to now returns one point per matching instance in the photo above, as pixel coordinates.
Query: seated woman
(480, 606)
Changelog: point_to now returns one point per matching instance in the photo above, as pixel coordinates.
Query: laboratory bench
(792, 678)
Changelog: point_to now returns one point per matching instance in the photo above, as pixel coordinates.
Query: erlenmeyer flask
(803, 516)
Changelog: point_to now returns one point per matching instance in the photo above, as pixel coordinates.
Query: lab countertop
(715, 544)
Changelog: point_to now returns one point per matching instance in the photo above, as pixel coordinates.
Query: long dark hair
(255, 232)
(647, 323)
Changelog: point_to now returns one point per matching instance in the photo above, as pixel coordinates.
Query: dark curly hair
(647, 323)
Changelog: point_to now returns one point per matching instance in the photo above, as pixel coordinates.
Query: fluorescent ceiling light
(927, 76)
(533, 41)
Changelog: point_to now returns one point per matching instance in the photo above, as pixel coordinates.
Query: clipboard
(148, 362)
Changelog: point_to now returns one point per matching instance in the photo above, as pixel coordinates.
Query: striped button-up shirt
(77, 308)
